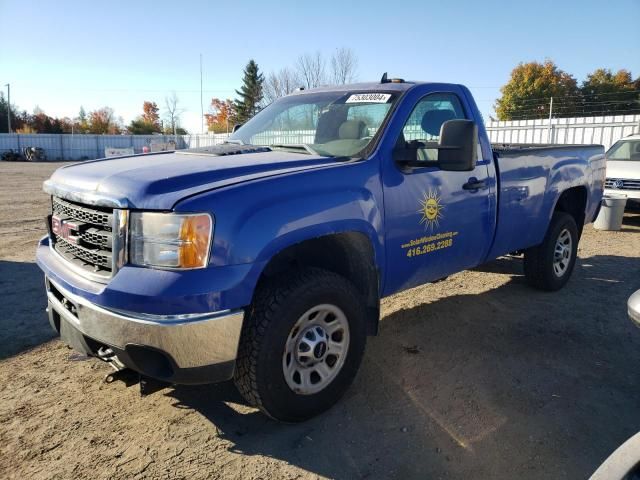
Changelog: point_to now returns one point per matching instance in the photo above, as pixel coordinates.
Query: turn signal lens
(194, 235)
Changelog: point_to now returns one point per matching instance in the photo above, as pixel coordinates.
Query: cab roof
(363, 87)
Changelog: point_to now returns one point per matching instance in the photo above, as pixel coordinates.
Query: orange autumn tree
(528, 91)
(103, 121)
(222, 116)
(151, 115)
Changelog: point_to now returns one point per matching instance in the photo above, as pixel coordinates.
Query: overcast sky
(64, 54)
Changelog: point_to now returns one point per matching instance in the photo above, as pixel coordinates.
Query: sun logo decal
(431, 210)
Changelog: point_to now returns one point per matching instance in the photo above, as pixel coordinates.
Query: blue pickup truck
(264, 259)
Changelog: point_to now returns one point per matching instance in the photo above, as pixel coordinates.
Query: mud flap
(71, 336)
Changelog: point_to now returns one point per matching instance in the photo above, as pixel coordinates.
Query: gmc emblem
(64, 228)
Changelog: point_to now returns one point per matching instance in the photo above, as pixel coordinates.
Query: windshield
(334, 124)
(625, 150)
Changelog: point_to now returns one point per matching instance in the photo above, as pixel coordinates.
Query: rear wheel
(301, 344)
(549, 265)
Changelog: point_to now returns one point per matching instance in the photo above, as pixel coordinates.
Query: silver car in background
(624, 463)
(623, 169)
(633, 307)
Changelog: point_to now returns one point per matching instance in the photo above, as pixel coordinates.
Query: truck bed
(519, 147)
(530, 179)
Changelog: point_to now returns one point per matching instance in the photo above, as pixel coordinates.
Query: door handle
(474, 184)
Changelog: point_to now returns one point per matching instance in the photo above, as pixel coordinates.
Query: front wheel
(549, 265)
(301, 344)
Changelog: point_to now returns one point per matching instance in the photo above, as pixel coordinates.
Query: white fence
(581, 130)
(84, 147)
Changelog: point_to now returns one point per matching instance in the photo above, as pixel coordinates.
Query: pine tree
(250, 93)
(83, 124)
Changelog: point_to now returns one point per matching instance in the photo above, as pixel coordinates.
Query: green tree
(250, 93)
(17, 120)
(528, 91)
(141, 127)
(148, 122)
(607, 93)
(82, 125)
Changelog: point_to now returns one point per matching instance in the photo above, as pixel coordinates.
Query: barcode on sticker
(369, 98)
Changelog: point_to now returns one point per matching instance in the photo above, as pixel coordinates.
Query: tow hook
(106, 354)
(148, 385)
(126, 375)
(121, 372)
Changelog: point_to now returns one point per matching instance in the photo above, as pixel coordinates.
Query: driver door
(435, 224)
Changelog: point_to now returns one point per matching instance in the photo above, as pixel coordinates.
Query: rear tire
(549, 265)
(302, 343)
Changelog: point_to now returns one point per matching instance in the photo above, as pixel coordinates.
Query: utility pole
(8, 107)
(201, 104)
(549, 127)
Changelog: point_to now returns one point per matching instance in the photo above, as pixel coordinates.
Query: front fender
(256, 220)
(291, 221)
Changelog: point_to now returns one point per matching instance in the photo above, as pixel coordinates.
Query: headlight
(170, 240)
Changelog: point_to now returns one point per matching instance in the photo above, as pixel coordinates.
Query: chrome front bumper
(633, 307)
(633, 195)
(198, 348)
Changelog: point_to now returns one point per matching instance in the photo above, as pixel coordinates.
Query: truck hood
(159, 181)
(624, 169)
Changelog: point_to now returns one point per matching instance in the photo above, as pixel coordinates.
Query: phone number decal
(428, 244)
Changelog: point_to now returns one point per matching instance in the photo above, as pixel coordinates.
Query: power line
(539, 99)
(138, 90)
(542, 115)
(576, 107)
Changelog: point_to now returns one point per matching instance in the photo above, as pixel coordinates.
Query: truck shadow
(23, 323)
(503, 265)
(455, 386)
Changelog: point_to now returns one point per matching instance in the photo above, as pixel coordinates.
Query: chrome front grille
(82, 213)
(92, 239)
(622, 184)
(98, 259)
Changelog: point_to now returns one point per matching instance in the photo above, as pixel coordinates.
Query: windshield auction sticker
(369, 98)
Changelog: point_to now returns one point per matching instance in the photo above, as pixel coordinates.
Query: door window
(424, 123)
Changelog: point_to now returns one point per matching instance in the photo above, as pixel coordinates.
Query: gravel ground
(477, 376)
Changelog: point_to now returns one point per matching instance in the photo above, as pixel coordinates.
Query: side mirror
(457, 148)
(407, 155)
(236, 127)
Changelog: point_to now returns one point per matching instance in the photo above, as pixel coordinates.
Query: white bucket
(611, 212)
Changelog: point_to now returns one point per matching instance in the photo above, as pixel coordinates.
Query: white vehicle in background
(623, 168)
(633, 307)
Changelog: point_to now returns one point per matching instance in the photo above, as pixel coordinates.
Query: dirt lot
(474, 377)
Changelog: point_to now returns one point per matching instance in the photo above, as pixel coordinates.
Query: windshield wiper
(297, 146)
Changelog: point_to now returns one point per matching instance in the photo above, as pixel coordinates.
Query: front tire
(302, 344)
(549, 265)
